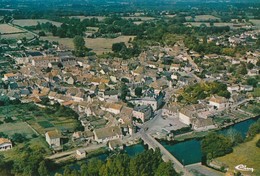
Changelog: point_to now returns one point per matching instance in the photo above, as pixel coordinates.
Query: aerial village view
(129, 88)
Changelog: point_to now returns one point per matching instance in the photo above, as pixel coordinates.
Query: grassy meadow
(34, 22)
(99, 45)
(247, 154)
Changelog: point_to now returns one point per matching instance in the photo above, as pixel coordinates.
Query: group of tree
(29, 160)
(147, 163)
(121, 50)
(68, 29)
(202, 90)
(79, 46)
(254, 129)
(216, 145)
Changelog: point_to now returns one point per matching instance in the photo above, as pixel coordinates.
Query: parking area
(165, 124)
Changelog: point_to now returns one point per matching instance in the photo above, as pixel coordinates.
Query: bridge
(166, 155)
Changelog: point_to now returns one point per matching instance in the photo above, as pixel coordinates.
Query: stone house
(53, 138)
(103, 135)
(143, 112)
(218, 102)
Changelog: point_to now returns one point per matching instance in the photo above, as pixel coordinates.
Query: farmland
(231, 25)
(12, 32)
(99, 45)
(246, 153)
(256, 23)
(7, 29)
(40, 119)
(17, 127)
(202, 18)
(139, 18)
(101, 18)
(18, 36)
(34, 22)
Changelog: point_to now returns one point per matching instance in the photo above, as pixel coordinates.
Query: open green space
(40, 119)
(17, 127)
(45, 124)
(252, 108)
(247, 153)
(202, 18)
(34, 22)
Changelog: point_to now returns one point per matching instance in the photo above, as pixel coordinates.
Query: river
(189, 151)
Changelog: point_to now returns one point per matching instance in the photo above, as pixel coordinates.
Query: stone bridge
(166, 155)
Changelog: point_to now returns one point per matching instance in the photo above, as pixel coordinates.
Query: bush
(19, 138)
(3, 135)
(8, 120)
(258, 143)
(254, 129)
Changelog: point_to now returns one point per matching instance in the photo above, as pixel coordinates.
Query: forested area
(199, 91)
(30, 161)
(147, 163)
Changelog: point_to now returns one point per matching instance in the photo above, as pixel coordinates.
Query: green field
(15, 153)
(34, 22)
(17, 127)
(39, 119)
(247, 154)
(252, 108)
(101, 18)
(256, 92)
(8, 29)
(18, 36)
(202, 18)
(256, 23)
(197, 24)
(45, 124)
(99, 45)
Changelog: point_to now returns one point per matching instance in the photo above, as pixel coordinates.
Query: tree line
(215, 145)
(30, 162)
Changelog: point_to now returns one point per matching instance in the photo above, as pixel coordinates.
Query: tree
(215, 145)
(84, 169)
(42, 170)
(79, 46)
(17, 137)
(258, 62)
(42, 33)
(243, 70)
(235, 136)
(124, 91)
(252, 81)
(254, 129)
(165, 169)
(117, 47)
(138, 91)
(3, 135)
(250, 65)
(258, 143)
(67, 171)
(93, 167)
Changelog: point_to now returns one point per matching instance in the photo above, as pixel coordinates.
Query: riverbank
(188, 151)
(201, 134)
